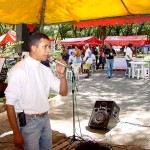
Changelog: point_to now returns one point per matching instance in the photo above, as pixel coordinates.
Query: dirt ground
(131, 95)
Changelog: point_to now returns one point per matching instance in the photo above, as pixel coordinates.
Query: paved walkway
(131, 95)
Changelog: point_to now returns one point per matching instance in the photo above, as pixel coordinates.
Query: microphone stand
(74, 87)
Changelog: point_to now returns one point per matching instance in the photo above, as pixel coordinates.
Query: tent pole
(42, 15)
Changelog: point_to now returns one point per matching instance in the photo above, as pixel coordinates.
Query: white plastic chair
(128, 71)
(138, 72)
(146, 72)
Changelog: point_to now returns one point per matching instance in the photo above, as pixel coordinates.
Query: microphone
(58, 62)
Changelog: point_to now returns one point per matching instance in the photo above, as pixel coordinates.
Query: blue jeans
(101, 61)
(37, 133)
(109, 63)
(78, 59)
(128, 64)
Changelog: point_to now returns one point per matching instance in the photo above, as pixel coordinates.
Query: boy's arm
(18, 139)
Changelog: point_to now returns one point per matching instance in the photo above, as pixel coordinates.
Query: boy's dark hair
(130, 45)
(110, 44)
(34, 39)
(90, 145)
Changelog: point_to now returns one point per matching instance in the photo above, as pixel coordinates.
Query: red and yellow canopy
(58, 11)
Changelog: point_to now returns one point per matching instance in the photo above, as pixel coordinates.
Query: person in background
(87, 60)
(93, 60)
(101, 58)
(109, 55)
(82, 63)
(133, 51)
(29, 84)
(83, 50)
(72, 58)
(128, 55)
(64, 53)
(121, 52)
(67, 53)
(95, 52)
(78, 54)
(78, 57)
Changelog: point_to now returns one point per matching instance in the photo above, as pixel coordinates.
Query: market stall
(119, 63)
(8, 37)
(91, 40)
(125, 40)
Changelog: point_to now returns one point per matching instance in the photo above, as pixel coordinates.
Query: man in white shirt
(128, 55)
(29, 84)
(87, 60)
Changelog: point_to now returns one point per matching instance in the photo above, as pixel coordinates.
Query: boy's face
(41, 51)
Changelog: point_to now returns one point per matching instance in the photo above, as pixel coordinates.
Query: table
(147, 60)
(141, 64)
(119, 63)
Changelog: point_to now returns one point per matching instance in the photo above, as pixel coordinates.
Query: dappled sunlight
(6, 134)
(125, 133)
(132, 97)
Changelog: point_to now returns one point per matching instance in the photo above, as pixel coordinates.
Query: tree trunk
(103, 34)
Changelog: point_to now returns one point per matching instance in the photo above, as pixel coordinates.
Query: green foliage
(51, 96)
(129, 29)
(3, 100)
(63, 31)
(56, 54)
(10, 48)
(4, 28)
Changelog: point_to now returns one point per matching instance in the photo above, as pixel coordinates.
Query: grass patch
(51, 96)
(3, 100)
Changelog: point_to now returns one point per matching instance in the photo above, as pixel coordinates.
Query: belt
(35, 115)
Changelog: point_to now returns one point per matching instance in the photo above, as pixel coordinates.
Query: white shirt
(87, 54)
(72, 59)
(72, 50)
(29, 84)
(128, 53)
(93, 58)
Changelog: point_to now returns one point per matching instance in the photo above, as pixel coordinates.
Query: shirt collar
(32, 61)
